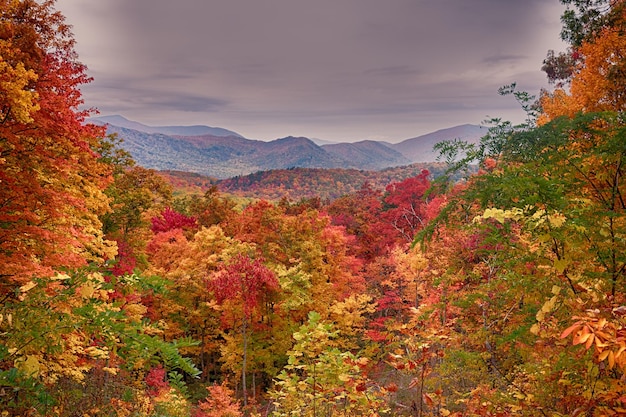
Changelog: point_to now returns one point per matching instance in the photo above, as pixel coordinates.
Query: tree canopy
(496, 289)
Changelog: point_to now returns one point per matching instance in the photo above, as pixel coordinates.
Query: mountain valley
(222, 153)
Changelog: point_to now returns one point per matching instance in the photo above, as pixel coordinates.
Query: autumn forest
(495, 288)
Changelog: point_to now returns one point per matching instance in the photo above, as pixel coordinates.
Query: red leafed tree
(360, 214)
(156, 380)
(405, 205)
(243, 284)
(171, 219)
(126, 261)
(51, 180)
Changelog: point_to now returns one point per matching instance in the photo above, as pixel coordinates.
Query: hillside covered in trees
(499, 294)
(299, 183)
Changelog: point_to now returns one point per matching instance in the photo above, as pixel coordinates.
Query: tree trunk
(244, 364)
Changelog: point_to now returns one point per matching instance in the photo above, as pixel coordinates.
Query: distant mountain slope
(221, 156)
(368, 154)
(196, 130)
(420, 149)
(215, 156)
(298, 183)
(293, 152)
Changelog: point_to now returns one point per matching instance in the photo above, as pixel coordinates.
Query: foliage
(170, 219)
(410, 293)
(405, 205)
(360, 214)
(218, 403)
(136, 194)
(52, 180)
(584, 19)
(560, 67)
(321, 380)
(209, 209)
(73, 329)
(327, 184)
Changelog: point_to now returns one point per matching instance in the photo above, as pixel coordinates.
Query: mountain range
(222, 153)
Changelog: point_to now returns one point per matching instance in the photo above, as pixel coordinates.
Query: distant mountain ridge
(196, 130)
(420, 149)
(368, 154)
(226, 154)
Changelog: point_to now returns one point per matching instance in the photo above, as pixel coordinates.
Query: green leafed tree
(322, 380)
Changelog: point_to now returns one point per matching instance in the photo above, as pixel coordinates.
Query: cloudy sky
(340, 70)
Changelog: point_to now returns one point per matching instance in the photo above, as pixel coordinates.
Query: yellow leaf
(87, 290)
(611, 360)
(112, 371)
(30, 366)
(549, 305)
(27, 287)
(603, 355)
(60, 277)
(534, 329)
(344, 377)
(135, 312)
(560, 265)
(540, 315)
(362, 361)
(97, 352)
(556, 219)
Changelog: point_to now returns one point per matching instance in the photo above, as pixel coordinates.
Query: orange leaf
(602, 335)
(581, 338)
(611, 360)
(569, 330)
(602, 356)
(599, 343)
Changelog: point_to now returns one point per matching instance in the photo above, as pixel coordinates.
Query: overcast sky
(341, 70)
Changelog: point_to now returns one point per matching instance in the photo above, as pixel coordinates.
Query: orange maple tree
(52, 180)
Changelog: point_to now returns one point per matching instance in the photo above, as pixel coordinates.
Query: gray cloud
(341, 70)
(184, 103)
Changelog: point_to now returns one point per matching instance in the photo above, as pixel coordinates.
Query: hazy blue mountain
(420, 149)
(291, 152)
(368, 154)
(221, 156)
(226, 156)
(196, 130)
